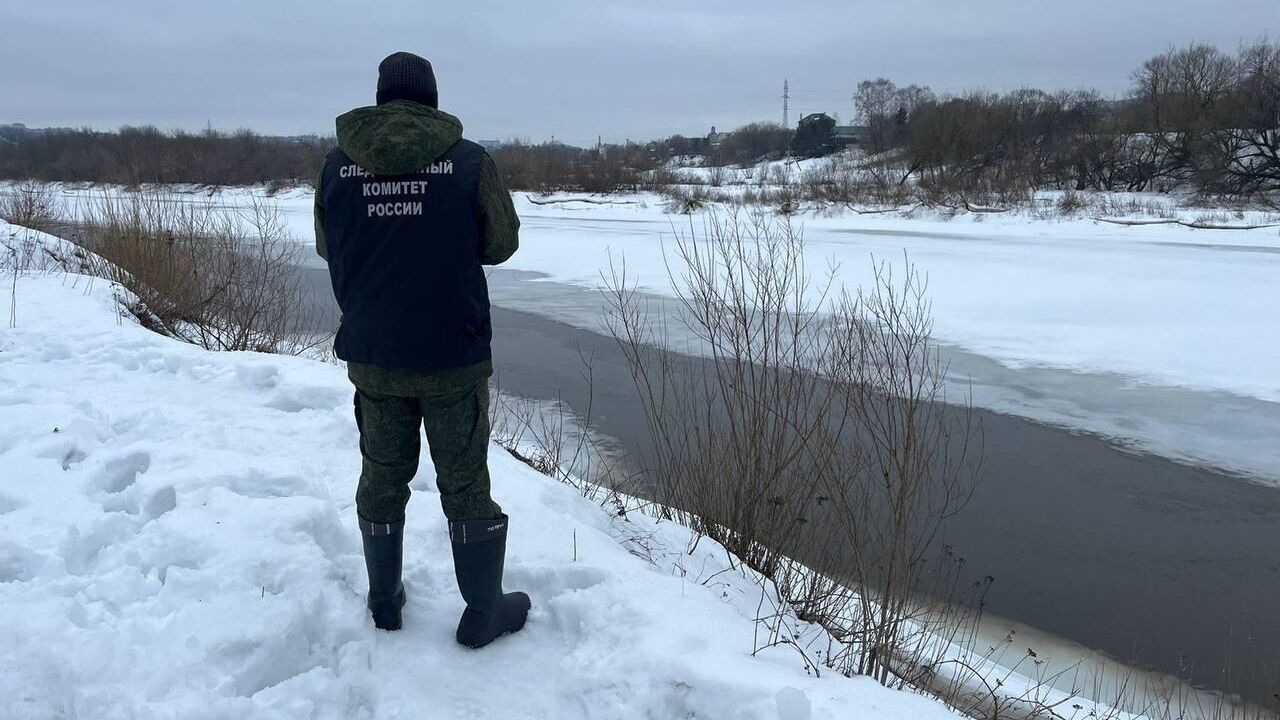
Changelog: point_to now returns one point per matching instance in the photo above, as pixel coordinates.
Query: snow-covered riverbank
(178, 539)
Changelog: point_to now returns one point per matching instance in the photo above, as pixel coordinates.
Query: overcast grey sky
(568, 68)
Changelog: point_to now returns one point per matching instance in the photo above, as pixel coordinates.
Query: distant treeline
(1194, 118)
(546, 167)
(631, 166)
(134, 155)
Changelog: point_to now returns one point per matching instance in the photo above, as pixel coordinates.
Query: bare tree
(876, 104)
(812, 442)
(917, 466)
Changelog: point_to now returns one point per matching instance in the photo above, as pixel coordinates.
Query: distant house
(818, 134)
(490, 144)
(819, 122)
(715, 138)
(813, 135)
(846, 135)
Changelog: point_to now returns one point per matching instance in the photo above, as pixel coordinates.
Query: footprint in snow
(121, 473)
(294, 399)
(259, 485)
(255, 664)
(17, 563)
(82, 551)
(130, 501)
(72, 443)
(259, 377)
(161, 501)
(327, 532)
(8, 504)
(114, 484)
(73, 456)
(551, 583)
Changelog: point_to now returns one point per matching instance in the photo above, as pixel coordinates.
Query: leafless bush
(785, 200)
(879, 184)
(220, 278)
(659, 179)
(19, 255)
(812, 442)
(733, 444)
(916, 467)
(1107, 204)
(29, 204)
(974, 194)
(23, 252)
(1070, 202)
(687, 199)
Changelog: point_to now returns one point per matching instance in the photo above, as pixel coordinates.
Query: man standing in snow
(406, 214)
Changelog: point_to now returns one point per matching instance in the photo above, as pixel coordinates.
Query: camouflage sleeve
(318, 211)
(499, 225)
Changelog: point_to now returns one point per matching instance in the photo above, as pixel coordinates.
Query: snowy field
(178, 540)
(1176, 306)
(1161, 336)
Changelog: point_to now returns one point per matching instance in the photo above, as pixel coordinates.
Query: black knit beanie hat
(405, 76)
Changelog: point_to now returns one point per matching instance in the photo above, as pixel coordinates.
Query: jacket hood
(398, 137)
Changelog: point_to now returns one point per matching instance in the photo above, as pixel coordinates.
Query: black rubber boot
(479, 547)
(383, 553)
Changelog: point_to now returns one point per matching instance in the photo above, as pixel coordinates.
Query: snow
(178, 539)
(695, 171)
(1160, 304)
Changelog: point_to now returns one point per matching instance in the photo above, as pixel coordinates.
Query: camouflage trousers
(457, 426)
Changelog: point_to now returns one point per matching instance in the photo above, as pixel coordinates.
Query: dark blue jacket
(405, 261)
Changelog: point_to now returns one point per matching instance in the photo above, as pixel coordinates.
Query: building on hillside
(715, 138)
(818, 134)
(813, 135)
(845, 135)
(816, 120)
